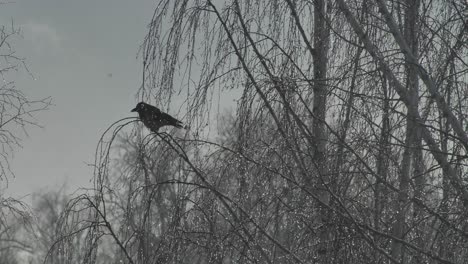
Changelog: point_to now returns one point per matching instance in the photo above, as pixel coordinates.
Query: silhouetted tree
(17, 113)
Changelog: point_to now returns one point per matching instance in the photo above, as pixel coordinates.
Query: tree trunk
(382, 158)
(411, 157)
(321, 46)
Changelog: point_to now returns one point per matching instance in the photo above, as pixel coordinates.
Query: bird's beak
(134, 110)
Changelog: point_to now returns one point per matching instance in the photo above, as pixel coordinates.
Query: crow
(153, 118)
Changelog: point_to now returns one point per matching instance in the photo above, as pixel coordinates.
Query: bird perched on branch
(153, 118)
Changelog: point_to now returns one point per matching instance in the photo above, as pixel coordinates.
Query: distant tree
(46, 234)
(47, 208)
(14, 217)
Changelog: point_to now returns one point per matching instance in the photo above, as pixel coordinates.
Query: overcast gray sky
(72, 48)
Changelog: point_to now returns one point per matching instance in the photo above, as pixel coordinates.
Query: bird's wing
(171, 120)
(153, 109)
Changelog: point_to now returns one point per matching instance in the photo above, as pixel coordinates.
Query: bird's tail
(181, 125)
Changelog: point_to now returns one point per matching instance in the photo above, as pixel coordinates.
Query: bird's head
(140, 106)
